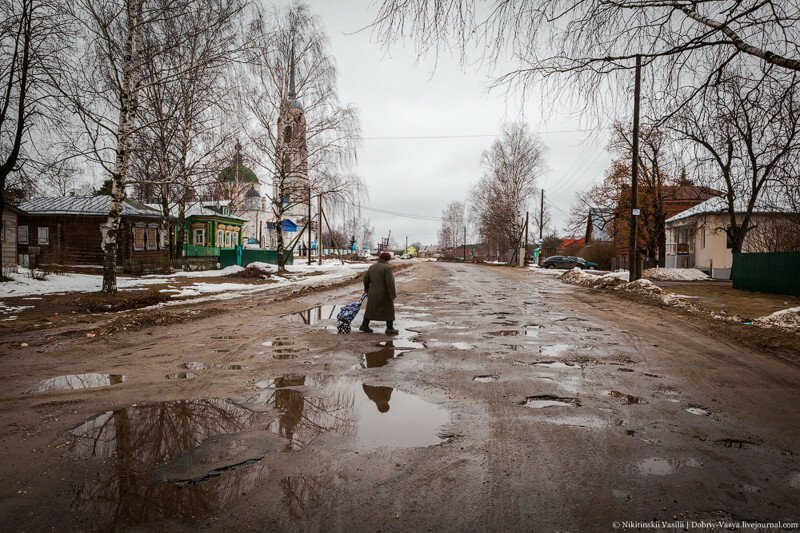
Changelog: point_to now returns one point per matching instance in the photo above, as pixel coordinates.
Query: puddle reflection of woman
(380, 291)
(379, 395)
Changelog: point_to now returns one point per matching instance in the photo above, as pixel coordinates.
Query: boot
(390, 328)
(365, 327)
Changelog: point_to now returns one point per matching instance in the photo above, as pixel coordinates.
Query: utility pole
(465, 244)
(633, 267)
(319, 231)
(406, 250)
(525, 262)
(309, 225)
(541, 217)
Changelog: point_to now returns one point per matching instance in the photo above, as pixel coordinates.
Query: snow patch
(675, 274)
(785, 319)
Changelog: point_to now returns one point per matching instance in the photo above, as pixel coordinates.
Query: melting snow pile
(576, 276)
(785, 319)
(675, 274)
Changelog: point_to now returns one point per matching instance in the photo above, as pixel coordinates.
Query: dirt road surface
(510, 402)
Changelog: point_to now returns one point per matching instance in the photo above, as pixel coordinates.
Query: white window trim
(154, 244)
(20, 240)
(202, 233)
(39, 240)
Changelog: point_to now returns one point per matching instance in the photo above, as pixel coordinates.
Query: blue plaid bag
(347, 314)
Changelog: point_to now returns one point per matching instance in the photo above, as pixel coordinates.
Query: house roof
(571, 241)
(718, 205)
(85, 205)
(200, 209)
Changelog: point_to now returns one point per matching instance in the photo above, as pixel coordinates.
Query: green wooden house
(208, 228)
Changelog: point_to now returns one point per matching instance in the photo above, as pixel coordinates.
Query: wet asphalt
(509, 402)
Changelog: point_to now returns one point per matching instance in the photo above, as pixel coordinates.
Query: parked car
(568, 261)
(405, 256)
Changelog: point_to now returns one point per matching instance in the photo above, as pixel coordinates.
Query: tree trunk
(127, 113)
(281, 259)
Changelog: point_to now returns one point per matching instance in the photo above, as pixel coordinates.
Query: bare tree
(577, 44)
(183, 112)
(745, 134)
(307, 137)
(454, 222)
(33, 36)
(499, 201)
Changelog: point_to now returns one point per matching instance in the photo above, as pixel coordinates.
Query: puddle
(488, 378)
(181, 375)
(660, 466)
(404, 342)
(81, 381)
(153, 450)
(193, 365)
(697, 410)
(542, 401)
(285, 353)
(629, 399)
(740, 444)
(289, 380)
(314, 315)
(462, 346)
(514, 333)
(554, 350)
(381, 357)
(625, 369)
(553, 364)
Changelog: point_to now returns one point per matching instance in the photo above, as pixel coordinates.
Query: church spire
(292, 93)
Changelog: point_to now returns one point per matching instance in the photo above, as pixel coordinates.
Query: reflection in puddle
(697, 410)
(290, 380)
(554, 350)
(205, 366)
(315, 315)
(659, 466)
(181, 375)
(81, 381)
(542, 401)
(381, 357)
(514, 333)
(142, 439)
(488, 378)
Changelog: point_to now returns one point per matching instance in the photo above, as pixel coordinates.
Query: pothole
(544, 400)
(628, 398)
(660, 466)
(486, 378)
(181, 375)
(697, 410)
(563, 365)
(81, 381)
(740, 444)
(193, 365)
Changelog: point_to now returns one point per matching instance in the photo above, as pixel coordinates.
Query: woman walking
(380, 291)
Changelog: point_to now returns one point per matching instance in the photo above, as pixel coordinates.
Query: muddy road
(510, 402)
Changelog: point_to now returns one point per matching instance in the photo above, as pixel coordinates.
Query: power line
(474, 136)
(398, 214)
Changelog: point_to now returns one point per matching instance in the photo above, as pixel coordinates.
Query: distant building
(599, 224)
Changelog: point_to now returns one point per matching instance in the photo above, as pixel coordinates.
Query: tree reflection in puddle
(140, 439)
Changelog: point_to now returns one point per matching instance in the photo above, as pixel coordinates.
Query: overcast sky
(401, 95)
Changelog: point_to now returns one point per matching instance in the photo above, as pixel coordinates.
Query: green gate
(776, 272)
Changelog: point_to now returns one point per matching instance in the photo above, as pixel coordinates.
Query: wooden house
(70, 230)
(208, 227)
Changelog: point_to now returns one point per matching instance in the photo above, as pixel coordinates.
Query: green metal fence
(228, 257)
(190, 250)
(776, 272)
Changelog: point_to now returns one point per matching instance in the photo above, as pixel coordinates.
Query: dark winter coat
(379, 286)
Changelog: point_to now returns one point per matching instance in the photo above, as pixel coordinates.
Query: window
(702, 238)
(3, 230)
(225, 210)
(138, 238)
(22, 234)
(152, 238)
(228, 239)
(43, 236)
(199, 237)
(220, 238)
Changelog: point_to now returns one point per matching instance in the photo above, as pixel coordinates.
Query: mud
(316, 442)
(80, 381)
